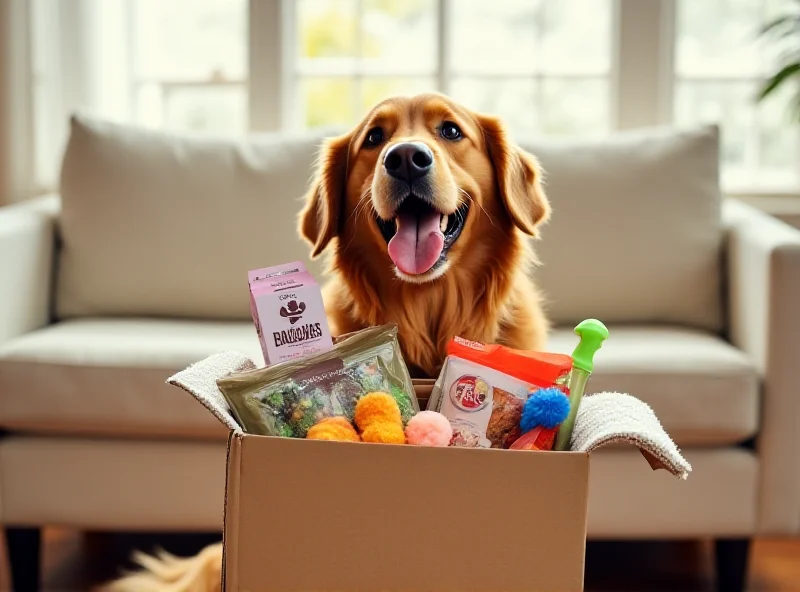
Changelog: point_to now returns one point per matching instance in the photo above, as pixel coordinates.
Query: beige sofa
(139, 269)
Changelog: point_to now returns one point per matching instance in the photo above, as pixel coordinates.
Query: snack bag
(288, 398)
(482, 389)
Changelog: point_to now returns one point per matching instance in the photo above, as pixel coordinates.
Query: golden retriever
(424, 208)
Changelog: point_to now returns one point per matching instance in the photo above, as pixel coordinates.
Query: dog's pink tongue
(417, 244)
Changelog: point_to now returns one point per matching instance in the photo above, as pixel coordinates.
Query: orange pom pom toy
(337, 428)
(378, 417)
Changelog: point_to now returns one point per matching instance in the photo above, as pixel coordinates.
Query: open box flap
(618, 418)
(603, 418)
(200, 381)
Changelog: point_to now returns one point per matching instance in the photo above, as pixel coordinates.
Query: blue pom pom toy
(547, 407)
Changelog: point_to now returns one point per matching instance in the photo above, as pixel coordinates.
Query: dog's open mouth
(419, 235)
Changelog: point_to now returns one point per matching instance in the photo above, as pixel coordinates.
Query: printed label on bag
(470, 393)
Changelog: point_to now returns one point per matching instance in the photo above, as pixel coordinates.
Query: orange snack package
(482, 389)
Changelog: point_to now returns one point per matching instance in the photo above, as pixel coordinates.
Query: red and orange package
(482, 389)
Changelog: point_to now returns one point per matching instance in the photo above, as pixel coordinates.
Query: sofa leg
(24, 550)
(731, 558)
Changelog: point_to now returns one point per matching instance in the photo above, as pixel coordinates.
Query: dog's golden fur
(485, 293)
(167, 573)
(481, 292)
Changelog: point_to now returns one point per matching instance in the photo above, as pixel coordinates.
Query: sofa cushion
(164, 225)
(103, 376)
(635, 234)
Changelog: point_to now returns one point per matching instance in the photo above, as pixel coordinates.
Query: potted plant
(783, 33)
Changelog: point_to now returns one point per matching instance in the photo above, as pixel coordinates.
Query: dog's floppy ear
(319, 219)
(518, 177)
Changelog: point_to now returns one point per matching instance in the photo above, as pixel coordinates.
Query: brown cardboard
(305, 515)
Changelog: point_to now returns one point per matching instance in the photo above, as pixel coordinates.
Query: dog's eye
(374, 137)
(450, 131)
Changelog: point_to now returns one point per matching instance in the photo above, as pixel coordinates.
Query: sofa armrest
(27, 244)
(764, 300)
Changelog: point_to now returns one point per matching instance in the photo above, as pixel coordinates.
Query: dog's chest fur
(496, 310)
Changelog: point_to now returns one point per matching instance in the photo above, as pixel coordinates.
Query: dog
(425, 210)
(425, 207)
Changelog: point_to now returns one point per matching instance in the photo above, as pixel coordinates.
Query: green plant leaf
(778, 79)
(776, 23)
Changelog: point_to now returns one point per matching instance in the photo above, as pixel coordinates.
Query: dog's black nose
(408, 161)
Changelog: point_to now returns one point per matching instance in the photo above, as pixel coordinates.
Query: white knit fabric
(603, 418)
(200, 381)
(616, 418)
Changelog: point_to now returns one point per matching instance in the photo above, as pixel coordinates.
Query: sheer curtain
(16, 146)
(178, 65)
(81, 63)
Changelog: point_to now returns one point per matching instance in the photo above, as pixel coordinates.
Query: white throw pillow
(155, 224)
(636, 232)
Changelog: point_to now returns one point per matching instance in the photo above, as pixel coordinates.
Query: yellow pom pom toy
(337, 428)
(378, 417)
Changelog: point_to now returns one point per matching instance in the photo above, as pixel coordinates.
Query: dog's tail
(167, 573)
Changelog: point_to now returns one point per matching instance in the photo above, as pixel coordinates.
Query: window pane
(721, 63)
(190, 39)
(576, 37)
(374, 90)
(549, 106)
(525, 36)
(725, 103)
(219, 110)
(327, 101)
(400, 31)
(574, 107)
(775, 8)
(759, 143)
(779, 141)
(386, 36)
(514, 100)
(195, 109)
(493, 36)
(717, 37)
(503, 57)
(326, 28)
(777, 46)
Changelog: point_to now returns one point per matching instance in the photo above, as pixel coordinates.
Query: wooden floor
(76, 563)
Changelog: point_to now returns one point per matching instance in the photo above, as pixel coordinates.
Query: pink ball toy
(429, 428)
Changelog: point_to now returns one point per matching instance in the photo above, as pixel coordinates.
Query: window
(543, 66)
(349, 54)
(179, 65)
(565, 68)
(546, 69)
(189, 64)
(719, 67)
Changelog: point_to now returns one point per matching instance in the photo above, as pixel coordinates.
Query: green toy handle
(592, 333)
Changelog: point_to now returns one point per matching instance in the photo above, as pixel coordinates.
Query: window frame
(641, 76)
(641, 43)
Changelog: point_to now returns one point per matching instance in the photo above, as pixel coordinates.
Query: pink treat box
(286, 304)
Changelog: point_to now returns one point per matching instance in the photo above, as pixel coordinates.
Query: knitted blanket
(200, 381)
(603, 418)
(615, 418)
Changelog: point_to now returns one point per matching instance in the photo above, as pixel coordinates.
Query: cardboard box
(306, 515)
